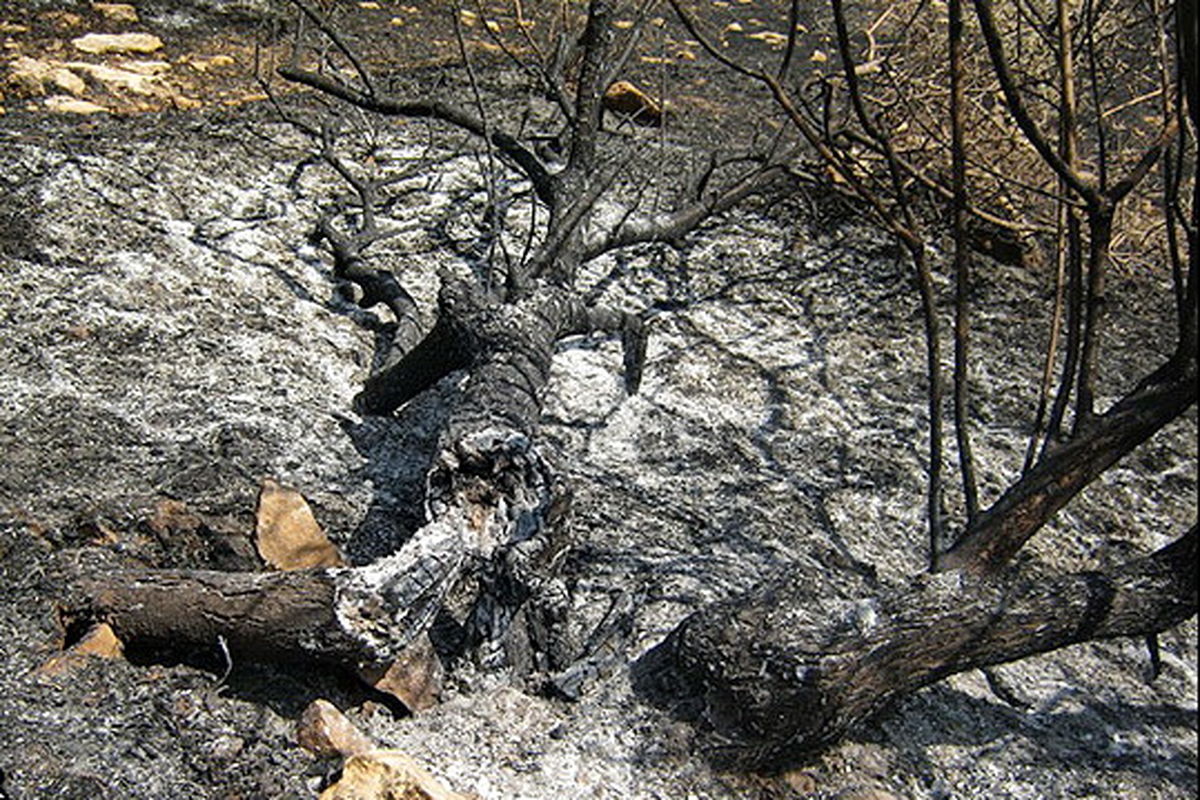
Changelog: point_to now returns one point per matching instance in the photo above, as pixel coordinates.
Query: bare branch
(673, 226)
(1028, 504)
(962, 276)
(331, 32)
(522, 157)
(1016, 106)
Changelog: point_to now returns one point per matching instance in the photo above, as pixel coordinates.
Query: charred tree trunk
(489, 496)
(778, 675)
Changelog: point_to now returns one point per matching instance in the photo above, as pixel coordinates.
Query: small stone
(100, 43)
(116, 12)
(185, 103)
(771, 38)
(28, 76)
(625, 98)
(387, 775)
(415, 678)
(326, 731)
(172, 515)
(71, 105)
(287, 534)
(116, 80)
(866, 793)
(818, 57)
(213, 62)
(9, 28)
(68, 82)
(100, 642)
(147, 67)
(800, 781)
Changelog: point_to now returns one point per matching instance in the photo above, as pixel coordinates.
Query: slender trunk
(962, 274)
(1062, 399)
(1100, 232)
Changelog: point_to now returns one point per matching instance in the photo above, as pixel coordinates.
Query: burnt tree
(790, 668)
(491, 497)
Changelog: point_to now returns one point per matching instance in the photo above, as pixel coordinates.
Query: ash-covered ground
(169, 333)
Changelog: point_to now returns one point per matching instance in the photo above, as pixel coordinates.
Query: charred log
(778, 675)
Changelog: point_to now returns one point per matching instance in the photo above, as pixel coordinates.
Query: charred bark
(1003, 529)
(777, 675)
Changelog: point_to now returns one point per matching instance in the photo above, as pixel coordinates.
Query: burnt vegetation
(1036, 131)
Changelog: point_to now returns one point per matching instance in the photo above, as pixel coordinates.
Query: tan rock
(121, 80)
(415, 678)
(775, 40)
(72, 105)
(30, 77)
(68, 82)
(172, 515)
(800, 781)
(27, 77)
(99, 642)
(146, 67)
(326, 731)
(387, 775)
(100, 43)
(116, 12)
(10, 28)
(626, 99)
(184, 103)
(212, 62)
(287, 535)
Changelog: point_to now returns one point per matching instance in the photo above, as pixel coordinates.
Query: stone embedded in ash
(123, 80)
(388, 775)
(287, 534)
(101, 641)
(116, 12)
(326, 731)
(415, 678)
(101, 43)
(171, 515)
(626, 99)
(73, 105)
(32, 77)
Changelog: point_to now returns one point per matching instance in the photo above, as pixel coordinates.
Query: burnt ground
(168, 335)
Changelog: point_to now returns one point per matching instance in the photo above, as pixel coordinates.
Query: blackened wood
(438, 354)
(1021, 511)
(287, 615)
(784, 672)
